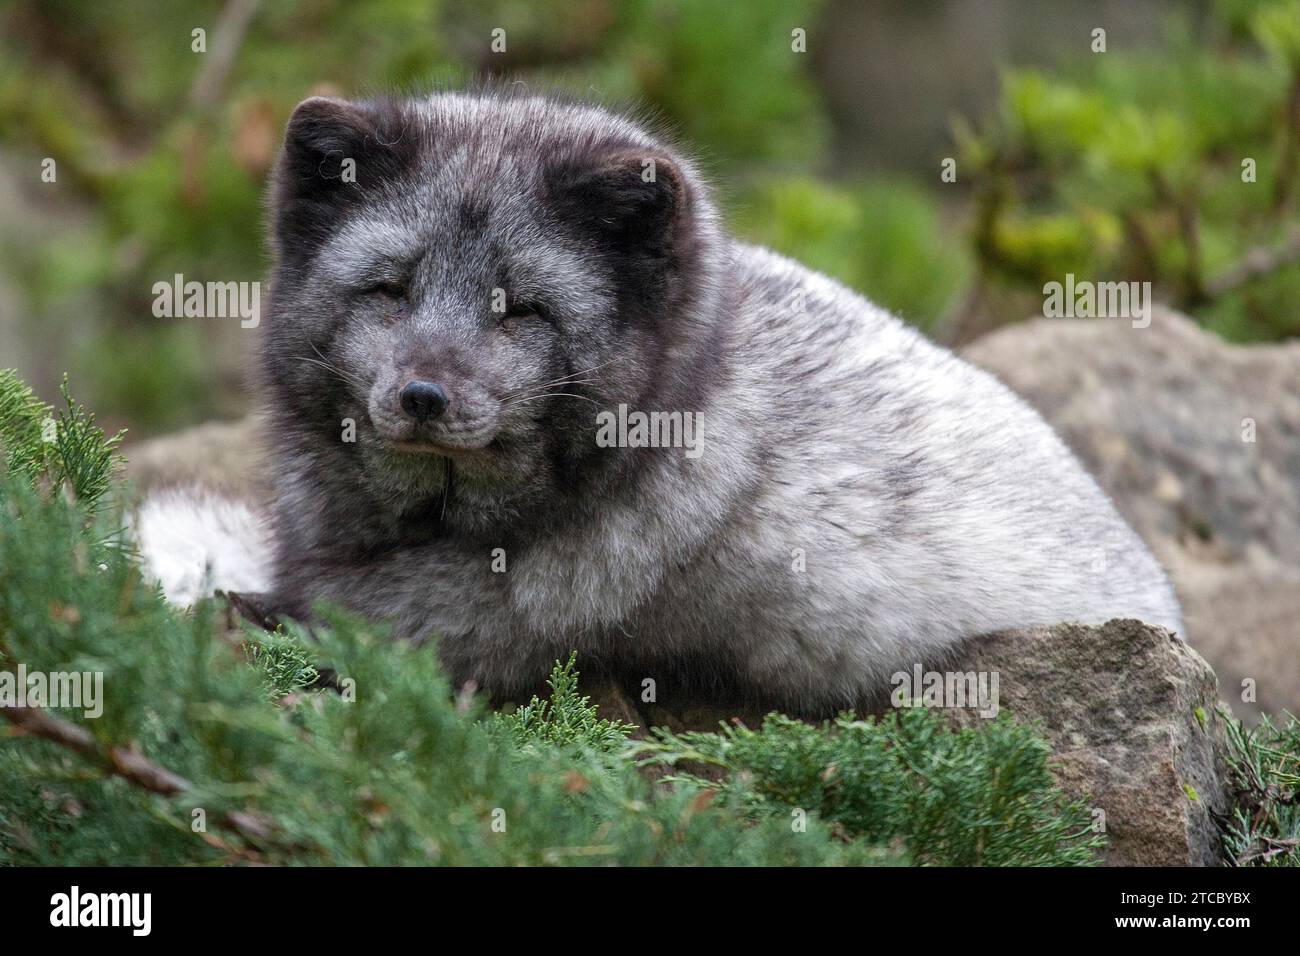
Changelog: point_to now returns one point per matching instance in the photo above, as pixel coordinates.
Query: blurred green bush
(1178, 169)
(1120, 165)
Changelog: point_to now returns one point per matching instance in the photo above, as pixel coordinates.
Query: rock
(1159, 416)
(222, 457)
(1131, 713)
(1129, 709)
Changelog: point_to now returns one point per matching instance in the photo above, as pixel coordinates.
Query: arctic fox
(467, 286)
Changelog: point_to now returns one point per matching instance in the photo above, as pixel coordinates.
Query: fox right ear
(332, 150)
(322, 132)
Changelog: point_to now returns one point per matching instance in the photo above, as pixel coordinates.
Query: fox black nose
(423, 400)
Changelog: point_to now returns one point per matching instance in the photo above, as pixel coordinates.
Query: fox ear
(332, 150)
(321, 133)
(636, 199)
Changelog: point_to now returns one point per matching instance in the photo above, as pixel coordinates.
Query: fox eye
(524, 310)
(389, 290)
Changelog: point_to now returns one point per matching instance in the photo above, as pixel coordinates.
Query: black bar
(919, 903)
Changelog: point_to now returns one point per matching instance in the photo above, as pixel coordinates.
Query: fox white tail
(195, 542)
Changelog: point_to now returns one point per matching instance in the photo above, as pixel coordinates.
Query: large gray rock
(1159, 415)
(223, 457)
(1131, 713)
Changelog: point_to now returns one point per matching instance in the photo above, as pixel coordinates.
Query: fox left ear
(637, 200)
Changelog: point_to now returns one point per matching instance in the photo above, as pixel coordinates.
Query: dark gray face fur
(510, 251)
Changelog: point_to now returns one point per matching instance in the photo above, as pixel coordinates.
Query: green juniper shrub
(564, 719)
(973, 797)
(1264, 771)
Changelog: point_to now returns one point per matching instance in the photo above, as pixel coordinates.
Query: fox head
(462, 282)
